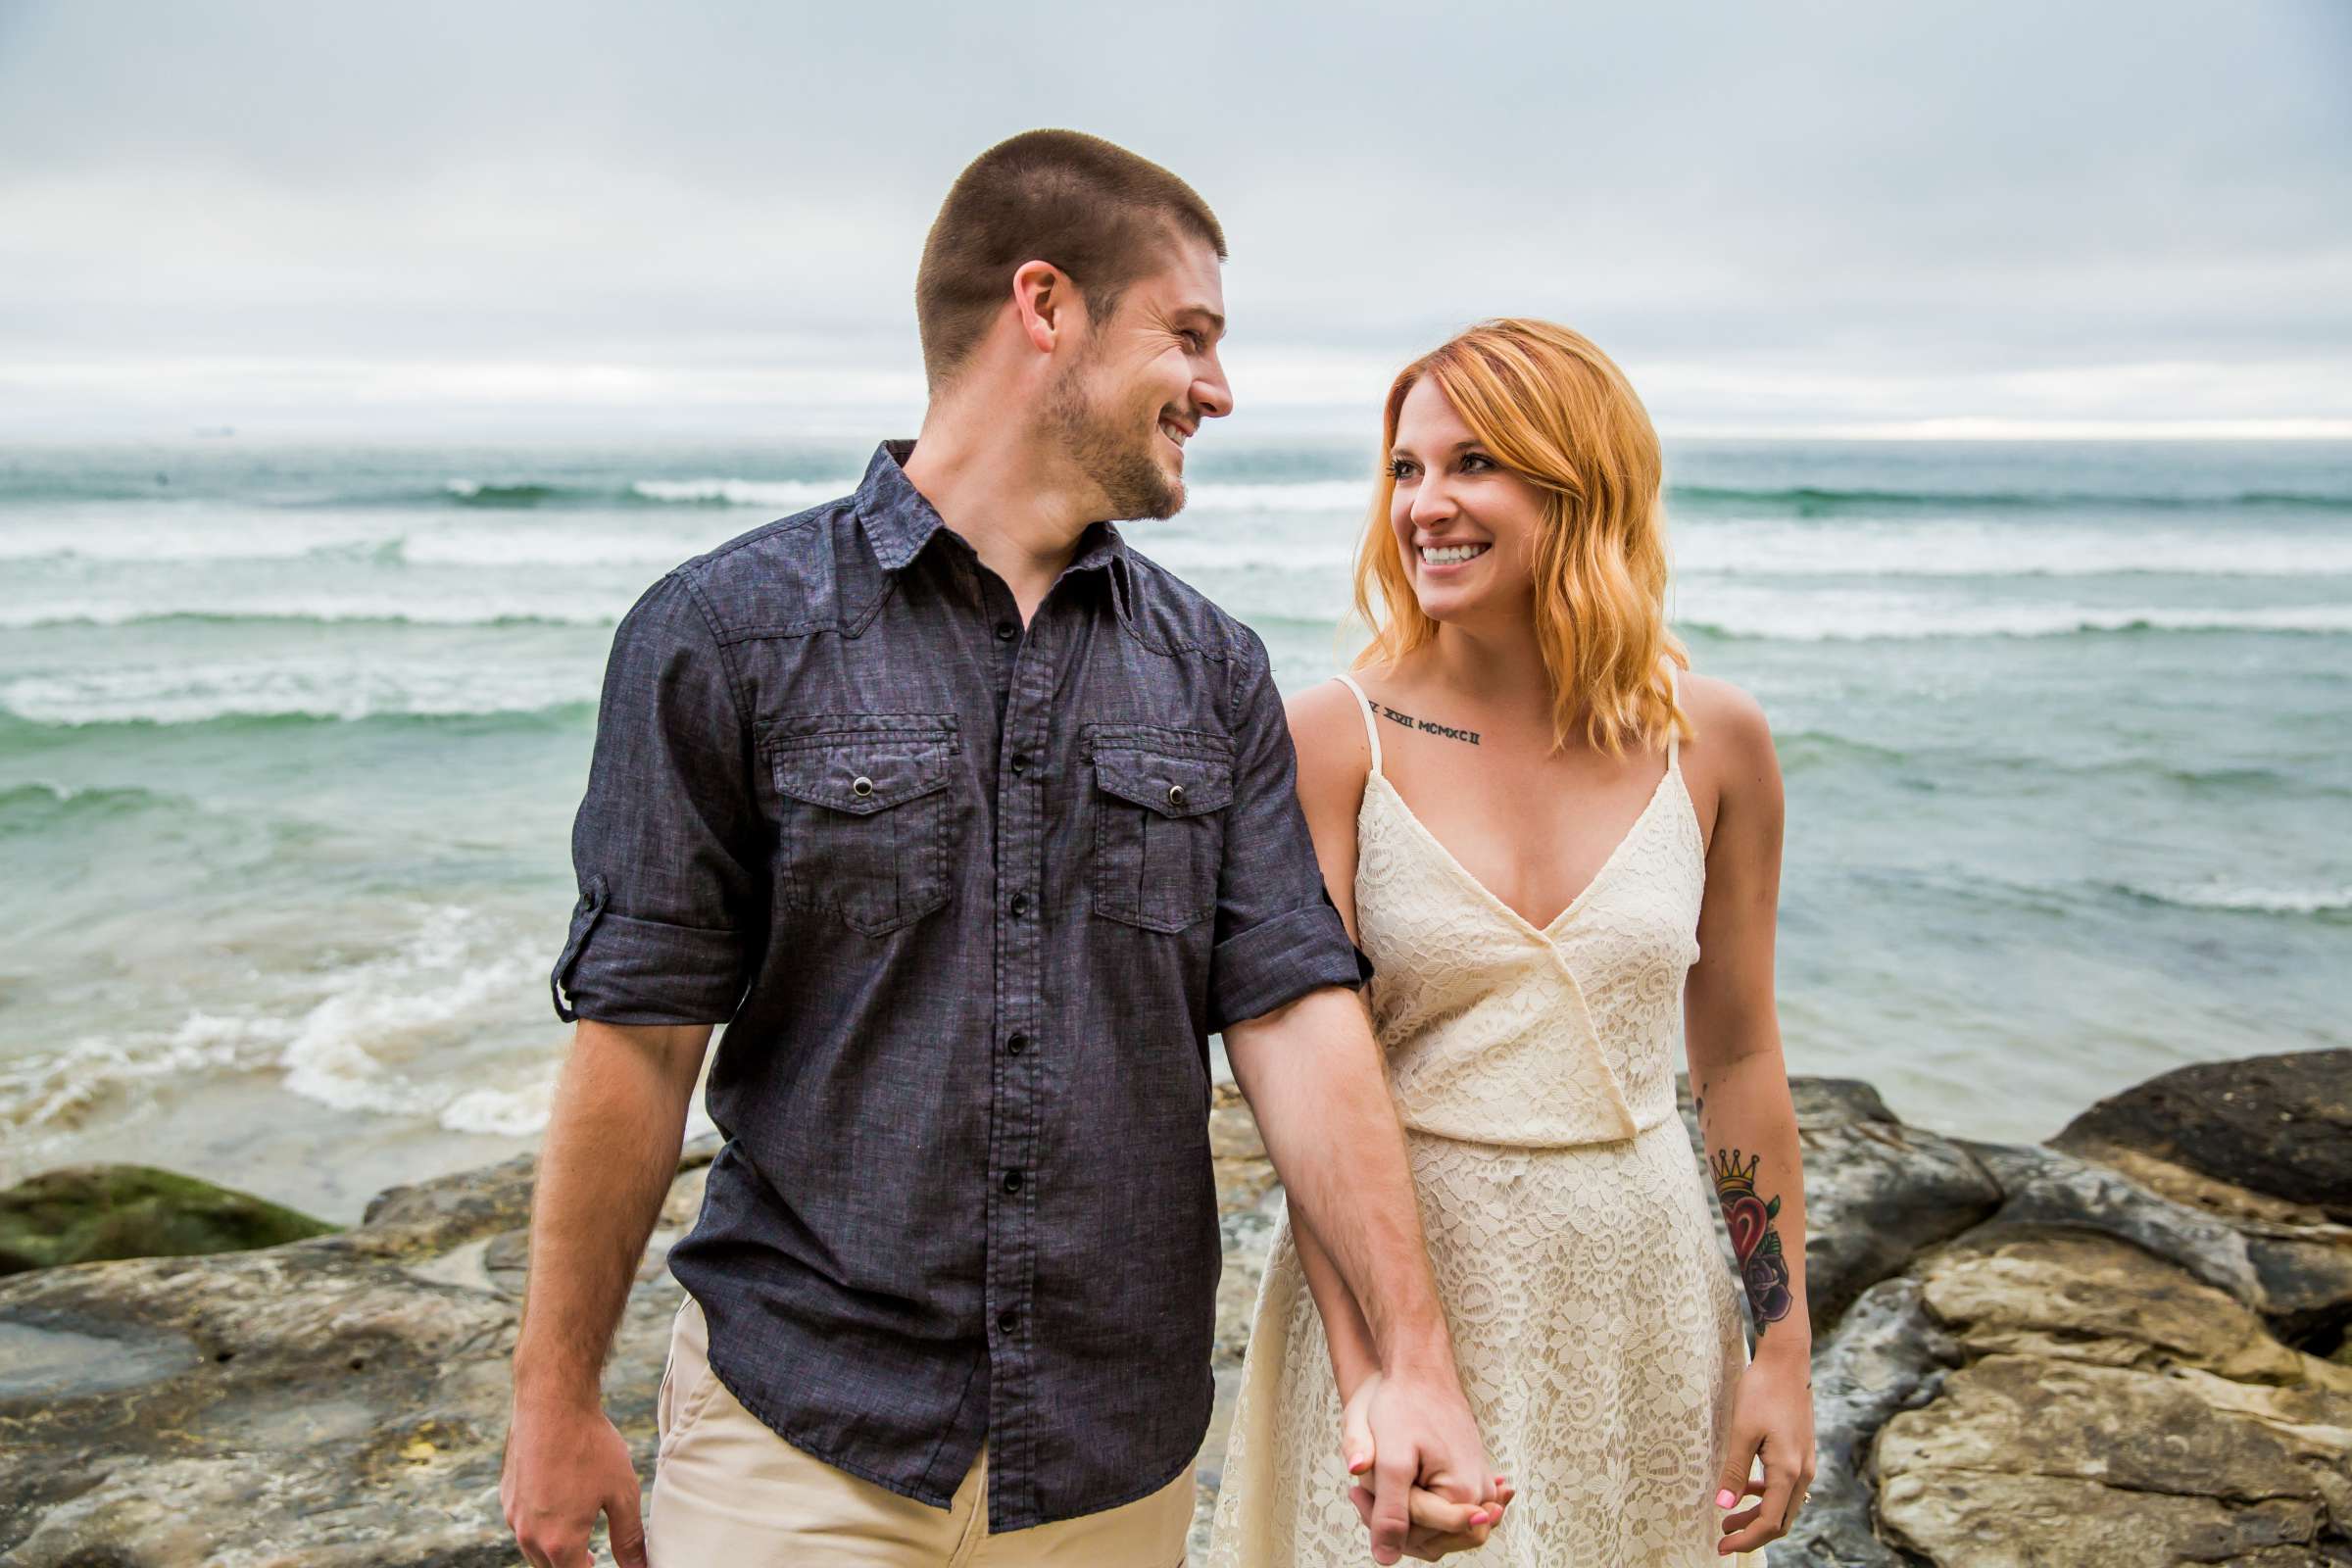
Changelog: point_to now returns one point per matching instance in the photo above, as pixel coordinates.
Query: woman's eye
(1401, 468)
(1480, 460)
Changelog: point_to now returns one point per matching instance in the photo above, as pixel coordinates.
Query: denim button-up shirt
(971, 897)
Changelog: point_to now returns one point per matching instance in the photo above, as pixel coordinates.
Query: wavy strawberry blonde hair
(1549, 405)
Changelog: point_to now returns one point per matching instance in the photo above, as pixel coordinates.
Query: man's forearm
(610, 1153)
(1348, 1337)
(1312, 1075)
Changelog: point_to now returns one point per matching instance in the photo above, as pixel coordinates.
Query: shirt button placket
(1014, 1113)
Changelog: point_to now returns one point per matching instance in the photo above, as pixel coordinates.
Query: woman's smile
(1449, 560)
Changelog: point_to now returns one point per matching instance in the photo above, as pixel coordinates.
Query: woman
(1546, 835)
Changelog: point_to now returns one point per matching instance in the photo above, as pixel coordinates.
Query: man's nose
(1213, 396)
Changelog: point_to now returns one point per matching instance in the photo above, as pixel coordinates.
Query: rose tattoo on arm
(1755, 1242)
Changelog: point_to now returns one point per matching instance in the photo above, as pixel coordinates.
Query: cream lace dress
(1596, 1328)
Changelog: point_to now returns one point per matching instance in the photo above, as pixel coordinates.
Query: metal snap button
(862, 786)
(1176, 795)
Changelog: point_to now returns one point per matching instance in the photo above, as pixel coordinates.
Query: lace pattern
(1596, 1328)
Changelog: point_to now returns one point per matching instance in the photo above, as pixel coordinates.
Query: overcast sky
(2089, 218)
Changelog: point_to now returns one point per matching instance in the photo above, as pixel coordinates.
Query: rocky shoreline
(2127, 1346)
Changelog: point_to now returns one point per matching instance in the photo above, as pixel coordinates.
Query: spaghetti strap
(1371, 729)
(1674, 734)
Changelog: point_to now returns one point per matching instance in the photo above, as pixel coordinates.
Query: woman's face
(1466, 524)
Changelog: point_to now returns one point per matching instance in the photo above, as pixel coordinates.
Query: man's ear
(1046, 304)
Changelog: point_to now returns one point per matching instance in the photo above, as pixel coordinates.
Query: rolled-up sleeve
(669, 834)
(1278, 935)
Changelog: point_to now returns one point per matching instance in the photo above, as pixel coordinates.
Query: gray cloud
(1799, 214)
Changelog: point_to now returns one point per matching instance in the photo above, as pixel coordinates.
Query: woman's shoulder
(1730, 758)
(1327, 727)
(1726, 716)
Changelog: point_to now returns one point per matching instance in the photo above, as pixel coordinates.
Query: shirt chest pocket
(866, 824)
(1160, 830)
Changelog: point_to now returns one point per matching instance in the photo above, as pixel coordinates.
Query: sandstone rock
(1248, 1232)
(1996, 1519)
(1232, 1129)
(2022, 1458)
(2044, 1189)
(2174, 1133)
(2118, 1396)
(2276, 1125)
(1876, 1191)
(2113, 1409)
(2047, 1359)
(338, 1401)
(1245, 1175)
(1885, 1354)
(88, 1213)
(1248, 1201)
(2094, 1299)
(2225, 1200)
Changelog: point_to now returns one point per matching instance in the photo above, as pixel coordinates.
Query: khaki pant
(728, 1493)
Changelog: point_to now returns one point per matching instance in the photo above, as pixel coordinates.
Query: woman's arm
(1333, 762)
(1746, 1120)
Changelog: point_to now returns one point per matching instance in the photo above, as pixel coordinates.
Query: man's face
(1142, 381)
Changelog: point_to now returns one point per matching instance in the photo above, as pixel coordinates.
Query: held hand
(1772, 1414)
(1430, 1491)
(1437, 1526)
(564, 1465)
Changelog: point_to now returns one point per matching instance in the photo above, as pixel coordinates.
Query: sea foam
(351, 1048)
(2244, 898)
(1832, 617)
(329, 688)
(323, 607)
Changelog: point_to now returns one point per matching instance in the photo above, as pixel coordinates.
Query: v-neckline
(1541, 932)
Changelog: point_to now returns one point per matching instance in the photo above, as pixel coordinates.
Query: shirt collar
(900, 521)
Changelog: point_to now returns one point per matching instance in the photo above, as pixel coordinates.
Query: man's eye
(1196, 341)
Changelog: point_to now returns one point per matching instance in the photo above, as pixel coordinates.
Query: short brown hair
(1095, 209)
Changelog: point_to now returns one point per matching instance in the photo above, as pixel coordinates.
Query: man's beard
(1107, 453)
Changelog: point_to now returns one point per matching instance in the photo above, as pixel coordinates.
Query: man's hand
(1421, 1437)
(1438, 1525)
(565, 1464)
(610, 1153)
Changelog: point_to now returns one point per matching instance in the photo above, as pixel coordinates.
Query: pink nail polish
(1723, 1499)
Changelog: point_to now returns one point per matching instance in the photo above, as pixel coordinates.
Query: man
(972, 824)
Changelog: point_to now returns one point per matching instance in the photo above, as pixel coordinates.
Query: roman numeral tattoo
(1756, 1238)
(1432, 726)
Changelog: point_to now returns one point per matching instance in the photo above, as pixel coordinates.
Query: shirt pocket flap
(1172, 786)
(865, 773)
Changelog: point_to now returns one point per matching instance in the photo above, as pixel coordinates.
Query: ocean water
(290, 739)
